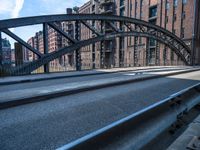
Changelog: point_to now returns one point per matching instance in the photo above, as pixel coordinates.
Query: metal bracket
(176, 101)
(194, 143)
(177, 125)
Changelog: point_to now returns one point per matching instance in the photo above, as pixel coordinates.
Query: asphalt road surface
(53, 123)
(45, 83)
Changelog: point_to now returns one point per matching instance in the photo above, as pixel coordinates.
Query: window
(152, 55)
(165, 54)
(183, 15)
(141, 14)
(121, 43)
(142, 2)
(130, 41)
(136, 4)
(182, 32)
(175, 3)
(121, 2)
(167, 19)
(172, 55)
(153, 12)
(167, 5)
(131, 8)
(152, 42)
(184, 2)
(140, 40)
(174, 17)
(122, 12)
(93, 7)
(174, 31)
(136, 39)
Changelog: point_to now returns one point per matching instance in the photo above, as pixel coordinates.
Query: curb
(44, 97)
(70, 76)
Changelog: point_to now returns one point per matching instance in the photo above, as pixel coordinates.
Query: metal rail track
(135, 131)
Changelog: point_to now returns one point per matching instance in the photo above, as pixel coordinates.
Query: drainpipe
(193, 35)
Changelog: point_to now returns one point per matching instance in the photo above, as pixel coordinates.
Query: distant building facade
(181, 17)
(177, 16)
(68, 60)
(6, 53)
(54, 44)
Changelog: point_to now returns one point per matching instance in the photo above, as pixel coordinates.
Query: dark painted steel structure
(132, 27)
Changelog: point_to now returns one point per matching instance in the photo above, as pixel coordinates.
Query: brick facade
(176, 16)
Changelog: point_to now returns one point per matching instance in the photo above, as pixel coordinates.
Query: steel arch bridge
(132, 27)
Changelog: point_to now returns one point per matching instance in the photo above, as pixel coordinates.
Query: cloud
(59, 5)
(6, 6)
(17, 9)
(11, 8)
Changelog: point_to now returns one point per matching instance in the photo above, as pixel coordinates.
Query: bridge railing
(131, 27)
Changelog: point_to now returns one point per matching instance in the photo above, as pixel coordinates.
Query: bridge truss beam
(131, 27)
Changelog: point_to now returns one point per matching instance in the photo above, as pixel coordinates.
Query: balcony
(107, 10)
(70, 27)
(106, 2)
(122, 2)
(108, 28)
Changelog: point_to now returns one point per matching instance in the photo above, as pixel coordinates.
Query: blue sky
(24, 8)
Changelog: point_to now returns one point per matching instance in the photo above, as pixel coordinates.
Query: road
(45, 83)
(53, 123)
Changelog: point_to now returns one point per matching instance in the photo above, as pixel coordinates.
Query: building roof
(6, 43)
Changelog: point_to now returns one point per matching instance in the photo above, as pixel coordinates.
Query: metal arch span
(134, 26)
(45, 59)
(12, 23)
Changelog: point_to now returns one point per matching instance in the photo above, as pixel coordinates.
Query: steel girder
(134, 27)
(49, 57)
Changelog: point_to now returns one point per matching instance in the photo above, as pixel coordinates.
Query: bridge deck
(51, 124)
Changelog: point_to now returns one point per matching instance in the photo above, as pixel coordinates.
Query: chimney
(69, 10)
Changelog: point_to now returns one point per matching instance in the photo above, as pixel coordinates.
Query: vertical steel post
(45, 42)
(77, 37)
(77, 52)
(101, 48)
(1, 49)
(193, 52)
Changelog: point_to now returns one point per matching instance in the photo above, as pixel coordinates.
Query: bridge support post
(45, 40)
(1, 49)
(77, 52)
(102, 47)
(18, 54)
(2, 73)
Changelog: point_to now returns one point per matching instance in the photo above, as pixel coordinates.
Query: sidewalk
(190, 139)
(19, 97)
(39, 77)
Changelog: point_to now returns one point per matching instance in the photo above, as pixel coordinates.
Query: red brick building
(178, 16)
(181, 17)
